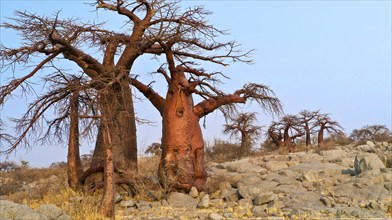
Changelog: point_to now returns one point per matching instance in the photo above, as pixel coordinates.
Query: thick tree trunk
(119, 104)
(182, 162)
(245, 145)
(320, 137)
(307, 136)
(75, 169)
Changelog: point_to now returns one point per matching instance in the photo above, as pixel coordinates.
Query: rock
(367, 148)
(51, 211)
(388, 186)
(366, 162)
(180, 200)
(387, 160)
(370, 144)
(215, 216)
(275, 165)
(64, 217)
(230, 195)
(259, 211)
(117, 198)
(333, 154)
(310, 176)
(194, 193)
(328, 201)
(245, 203)
(243, 166)
(204, 202)
(11, 210)
(127, 203)
(264, 198)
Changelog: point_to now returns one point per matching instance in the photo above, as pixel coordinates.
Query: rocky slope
(344, 182)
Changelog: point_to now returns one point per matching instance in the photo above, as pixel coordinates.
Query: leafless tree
(284, 132)
(243, 124)
(325, 123)
(371, 132)
(306, 119)
(188, 40)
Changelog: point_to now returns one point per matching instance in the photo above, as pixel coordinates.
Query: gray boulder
(51, 211)
(180, 200)
(261, 199)
(204, 202)
(11, 210)
(366, 162)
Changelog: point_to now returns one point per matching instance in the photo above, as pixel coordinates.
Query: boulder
(275, 165)
(243, 166)
(366, 162)
(331, 155)
(309, 176)
(215, 216)
(127, 203)
(264, 198)
(51, 211)
(194, 193)
(180, 200)
(11, 210)
(204, 202)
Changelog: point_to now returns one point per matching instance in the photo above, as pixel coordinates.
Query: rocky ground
(344, 182)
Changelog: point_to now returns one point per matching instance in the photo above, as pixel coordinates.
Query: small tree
(306, 119)
(325, 123)
(243, 125)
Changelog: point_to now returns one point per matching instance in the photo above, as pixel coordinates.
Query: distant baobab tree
(243, 124)
(325, 123)
(284, 132)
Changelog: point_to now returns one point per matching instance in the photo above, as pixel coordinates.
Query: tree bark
(75, 169)
(119, 104)
(107, 202)
(320, 137)
(182, 162)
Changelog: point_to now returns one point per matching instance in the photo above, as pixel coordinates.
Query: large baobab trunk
(320, 137)
(307, 136)
(75, 170)
(245, 145)
(118, 105)
(182, 162)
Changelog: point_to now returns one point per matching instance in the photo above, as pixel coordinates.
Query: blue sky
(328, 55)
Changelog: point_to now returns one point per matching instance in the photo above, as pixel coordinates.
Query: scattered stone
(275, 165)
(117, 198)
(310, 176)
(194, 193)
(204, 202)
(264, 198)
(127, 203)
(215, 216)
(180, 200)
(259, 211)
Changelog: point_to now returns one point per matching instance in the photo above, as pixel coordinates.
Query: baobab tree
(284, 132)
(51, 39)
(243, 124)
(371, 132)
(306, 119)
(184, 45)
(325, 123)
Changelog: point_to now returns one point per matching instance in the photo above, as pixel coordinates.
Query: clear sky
(328, 55)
